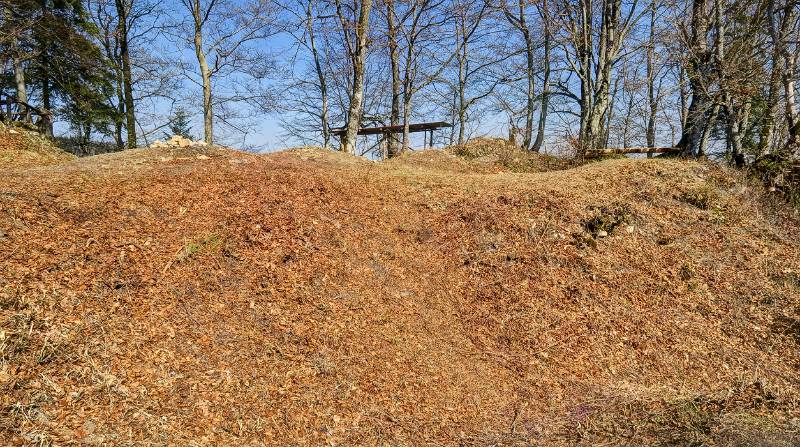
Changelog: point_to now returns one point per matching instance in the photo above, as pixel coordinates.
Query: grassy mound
(443, 161)
(293, 299)
(20, 148)
(502, 153)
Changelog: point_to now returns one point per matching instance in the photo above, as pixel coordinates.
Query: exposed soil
(211, 297)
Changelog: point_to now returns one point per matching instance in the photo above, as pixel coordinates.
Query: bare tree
(477, 56)
(517, 17)
(393, 145)
(355, 34)
(124, 13)
(126, 27)
(698, 60)
(547, 26)
(595, 36)
(226, 36)
(422, 28)
(652, 89)
(307, 95)
(782, 21)
(725, 64)
(17, 41)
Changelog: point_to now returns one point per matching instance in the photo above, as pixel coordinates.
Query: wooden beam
(417, 127)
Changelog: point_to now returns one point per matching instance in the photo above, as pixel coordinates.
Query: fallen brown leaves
(155, 297)
(23, 148)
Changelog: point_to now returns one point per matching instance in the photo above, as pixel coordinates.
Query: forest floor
(206, 297)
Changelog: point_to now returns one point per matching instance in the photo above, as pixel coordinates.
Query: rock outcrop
(177, 141)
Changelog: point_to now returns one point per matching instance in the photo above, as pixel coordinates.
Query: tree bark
(531, 92)
(130, 116)
(22, 92)
(519, 22)
(652, 99)
(46, 104)
(530, 61)
(406, 123)
(394, 60)
(358, 57)
(323, 83)
(545, 14)
(717, 67)
(684, 96)
(205, 73)
(782, 61)
(706, 133)
(461, 93)
(790, 98)
(583, 43)
(118, 120)
(771, 112)
(694, 132)
(19, 70)
(606, 56)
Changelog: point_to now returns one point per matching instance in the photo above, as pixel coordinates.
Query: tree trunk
(394, 59)
(583, 43)
(462, 85)
(695, 121)
(130, 116)
(782, 62)
(462, 118)
(684, 97)
(519, 22)
(357, 95)
(694, 132)
(628, 121)
(601, 88)
(22, 92)
(19, 70)
(205, 73)
(530, 59)
(48, 126)
(790, 98)
(87, 137)
(771, 112)
(118, 120)
(208, 113)
(609, 116)
(406, 117)
(716, 66)
(44, 63)
(323, 83)
(736, 126)
(537, 145)
(706, 133)
(652, 99)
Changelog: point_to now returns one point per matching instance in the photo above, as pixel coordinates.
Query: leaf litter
(155, 297)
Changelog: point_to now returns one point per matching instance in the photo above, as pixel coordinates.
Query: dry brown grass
(20, 148)
(308, 298)
(508, 157)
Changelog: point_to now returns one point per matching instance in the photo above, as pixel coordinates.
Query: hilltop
(202, 296)
(20, 147)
